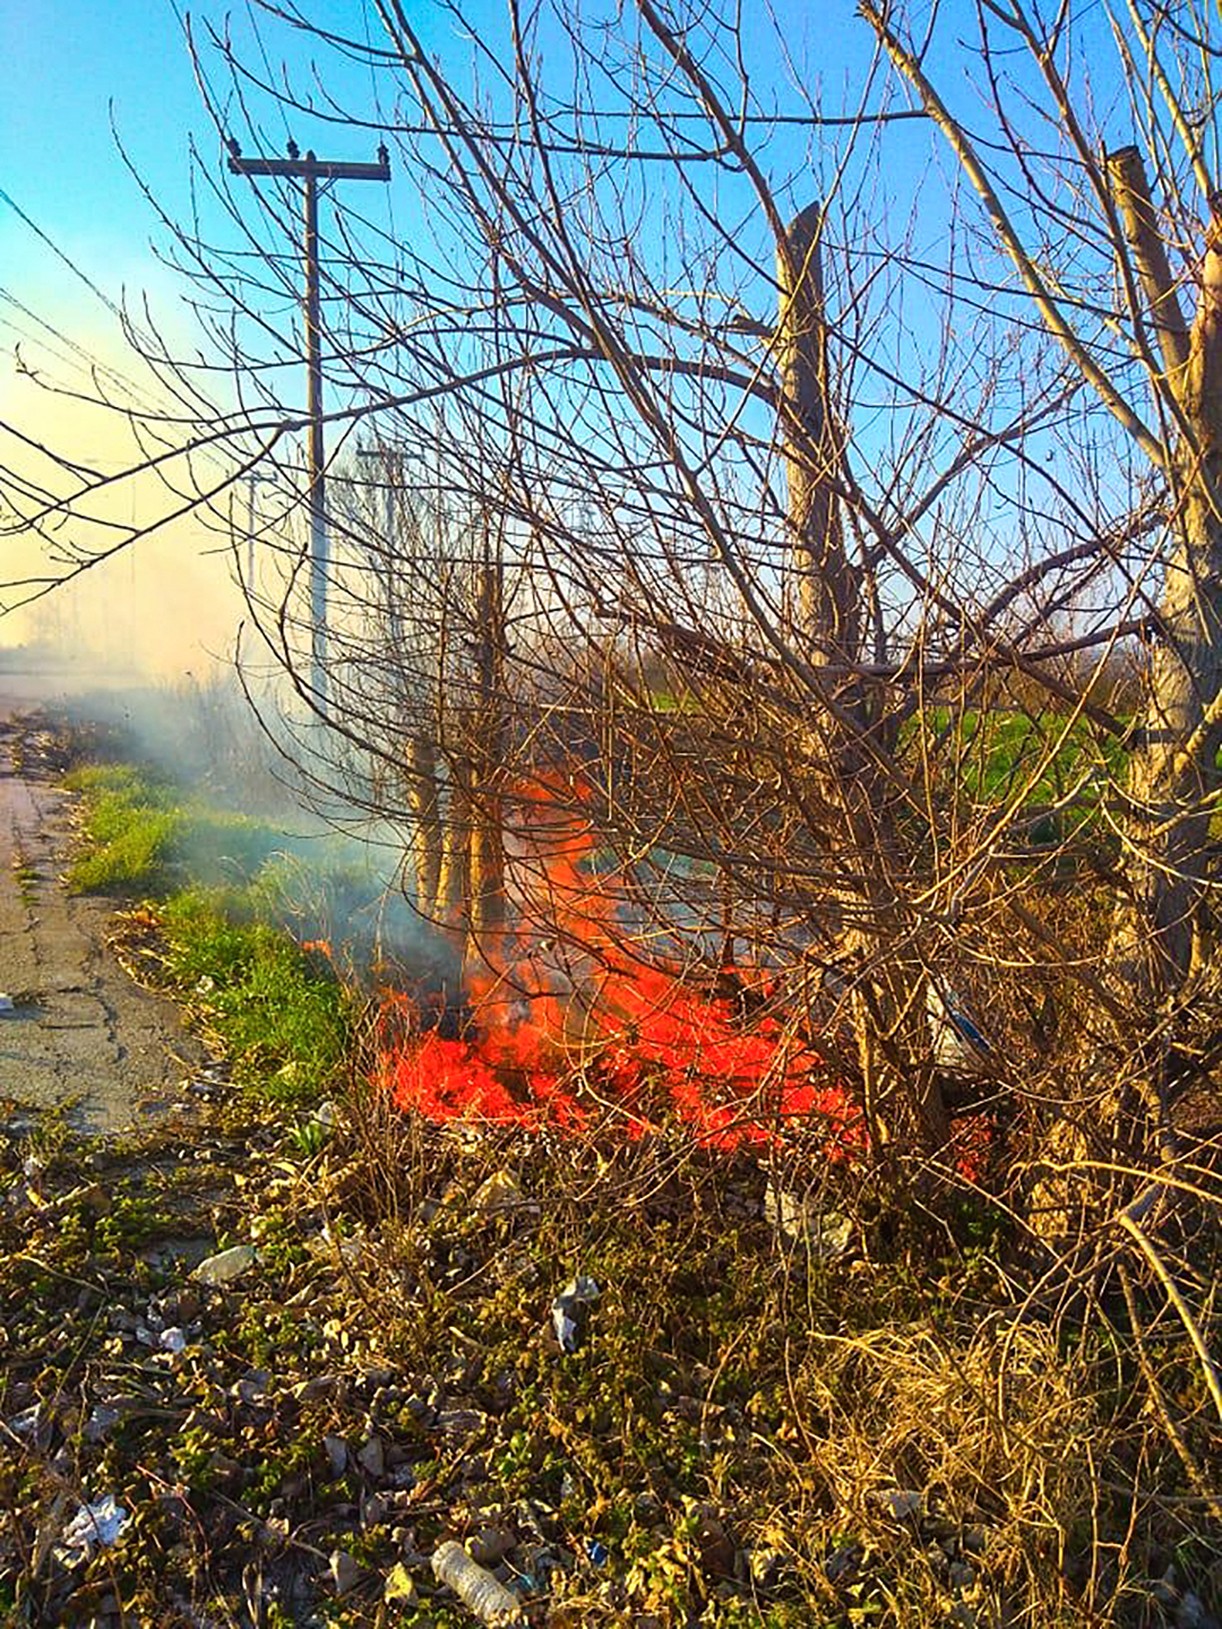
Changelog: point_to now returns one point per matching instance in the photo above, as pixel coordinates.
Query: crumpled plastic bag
(568, 1310)
(96, 1526)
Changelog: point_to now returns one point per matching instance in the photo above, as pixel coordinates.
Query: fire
(570, 1022)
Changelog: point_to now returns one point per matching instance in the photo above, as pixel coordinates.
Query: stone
(824, 1234)
(372, 1456)
(337, 1454)
(346, 1571)
(489, 1545)
(901, 1504)
(224, 1468)
(320, 1386)
(226, 1265)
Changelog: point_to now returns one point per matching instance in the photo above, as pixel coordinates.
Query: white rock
(226, 1265)
(824, 1234)
(346, 1571)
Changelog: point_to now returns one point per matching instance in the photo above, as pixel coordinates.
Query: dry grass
(902, 1436)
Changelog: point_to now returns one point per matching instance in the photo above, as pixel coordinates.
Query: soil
(75, 1028)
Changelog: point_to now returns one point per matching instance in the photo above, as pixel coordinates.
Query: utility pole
(312, 170)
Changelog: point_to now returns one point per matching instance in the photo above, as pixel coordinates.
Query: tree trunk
(1161, 926)
(828, 610)
(902, 1099)
(454, 888)
(486, 909)
(424, 801)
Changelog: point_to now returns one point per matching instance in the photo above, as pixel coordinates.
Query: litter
(97, 1525)
(482, 1594)
(226, 1265)
(568, 1310)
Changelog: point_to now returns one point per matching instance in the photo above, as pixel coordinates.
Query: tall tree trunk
(828, 593)
(424, 801)
(902, 1098)
(1162, 926)
(454, 888)
(486, 909)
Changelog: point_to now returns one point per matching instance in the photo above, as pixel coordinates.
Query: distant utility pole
(312, 170)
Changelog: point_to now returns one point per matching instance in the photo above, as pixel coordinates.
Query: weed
(26, 876)
(307, 1138)
(277, 1014)
(284, 1027)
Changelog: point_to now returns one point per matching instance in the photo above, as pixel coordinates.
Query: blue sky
(68, 66)
(62, 64)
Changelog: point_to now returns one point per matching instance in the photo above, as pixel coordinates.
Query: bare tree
(1105, 263)
(799, 490)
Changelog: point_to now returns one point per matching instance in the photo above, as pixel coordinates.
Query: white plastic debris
(568, 1307)
(27, 1423)
(226, 1265)
(96, 1526)
(173, 1340)
(7, 1004)
(483, 1595)
(825, 1234)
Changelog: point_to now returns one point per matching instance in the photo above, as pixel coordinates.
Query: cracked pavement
(79, 1029)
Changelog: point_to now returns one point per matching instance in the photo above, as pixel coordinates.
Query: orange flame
(567, 1017)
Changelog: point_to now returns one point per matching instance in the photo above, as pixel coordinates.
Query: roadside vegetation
(794, 1399)
(771, 605)
(206, 895)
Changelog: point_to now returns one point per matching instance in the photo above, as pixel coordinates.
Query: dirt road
(77, 1028)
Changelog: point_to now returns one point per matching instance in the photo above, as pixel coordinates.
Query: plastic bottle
(475, 1586)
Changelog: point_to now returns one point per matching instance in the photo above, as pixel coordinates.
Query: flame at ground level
(682, 1054)
(595, 1033)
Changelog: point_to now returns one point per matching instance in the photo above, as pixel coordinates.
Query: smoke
(77, 488)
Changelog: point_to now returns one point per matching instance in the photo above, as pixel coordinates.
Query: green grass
(280, 1017)
(1000, 753)
(140, 834)
(284, 1022)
